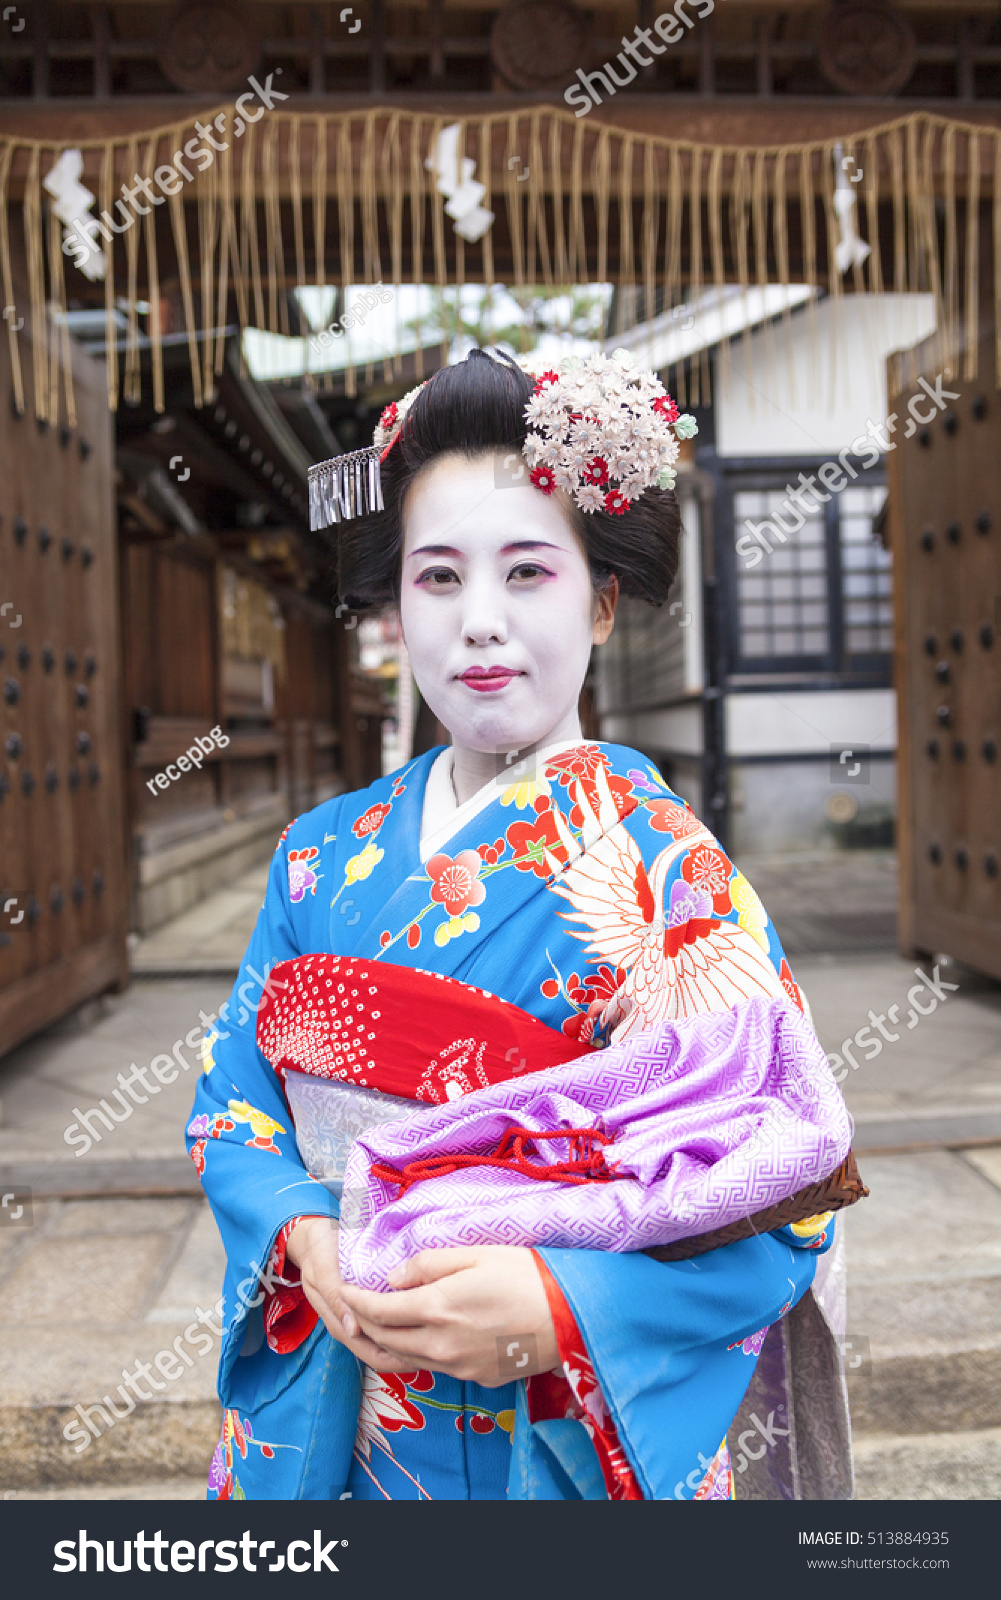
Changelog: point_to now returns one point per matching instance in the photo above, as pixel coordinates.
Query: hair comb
(344, 487)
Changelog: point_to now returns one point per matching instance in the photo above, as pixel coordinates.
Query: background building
(799, 671)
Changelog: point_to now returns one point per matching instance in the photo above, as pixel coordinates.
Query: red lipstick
(487, 679)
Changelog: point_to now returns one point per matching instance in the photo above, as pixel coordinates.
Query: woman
(576, 887)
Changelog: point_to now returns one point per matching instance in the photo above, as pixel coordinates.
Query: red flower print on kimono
(300, 873)
(582, 761)
(582, 1026)
(386, 1407)
(594, 996)
(371, 820)
(580, 767)
(620, 789)
(708, 871)
(222, 1478)
(479, 1422)
(205, 1127)
(532, 839)
(603, 984)
(490, 854)
(454, 882)
(262, 1127)
(197, 1154)
(667, 816)
(790, 985)
(420, 1379)
(288, 828)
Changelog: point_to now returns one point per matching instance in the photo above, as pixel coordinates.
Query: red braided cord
(586, 1163)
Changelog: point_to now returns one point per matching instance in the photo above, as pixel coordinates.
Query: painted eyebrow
(450, 550)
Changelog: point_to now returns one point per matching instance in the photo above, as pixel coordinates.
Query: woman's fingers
(410, 1308)
(346, 1333)
(408, 1348)
(427, 1266)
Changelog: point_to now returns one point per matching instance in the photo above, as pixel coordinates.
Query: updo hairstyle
(474, 407)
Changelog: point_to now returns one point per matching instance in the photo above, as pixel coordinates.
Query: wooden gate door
(62, 850)
(945, 515)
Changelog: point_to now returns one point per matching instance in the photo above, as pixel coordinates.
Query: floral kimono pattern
(592, 897)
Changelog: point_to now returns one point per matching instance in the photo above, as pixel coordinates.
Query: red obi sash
(418, 1035)
(423, 1036)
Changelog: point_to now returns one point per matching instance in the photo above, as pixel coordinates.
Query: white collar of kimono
(443, 817)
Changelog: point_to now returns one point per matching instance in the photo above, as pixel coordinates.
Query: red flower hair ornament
(601, 429)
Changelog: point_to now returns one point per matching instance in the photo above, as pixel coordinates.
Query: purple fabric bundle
(714, 1118)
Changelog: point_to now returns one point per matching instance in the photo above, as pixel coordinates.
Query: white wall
(808, 387)
(808, 723)
(781, 808)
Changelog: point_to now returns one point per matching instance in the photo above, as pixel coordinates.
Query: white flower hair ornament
(603, 430)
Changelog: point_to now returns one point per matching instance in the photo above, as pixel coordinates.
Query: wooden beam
(40, 43)
(437, 62)
(377, 47)
(317, 54)
(965, 79)
(100, 24)
(730, 120)
(763, 57)
(707, 58)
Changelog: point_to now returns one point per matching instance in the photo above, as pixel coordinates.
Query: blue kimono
(591, 896)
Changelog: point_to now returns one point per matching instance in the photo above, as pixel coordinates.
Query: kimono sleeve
(240, 1135)
(674, 1345)
(674, 929)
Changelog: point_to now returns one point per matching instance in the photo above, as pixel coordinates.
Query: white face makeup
(498, 612)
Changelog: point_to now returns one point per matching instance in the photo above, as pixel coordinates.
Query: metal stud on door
(945, 520)
(61, 823)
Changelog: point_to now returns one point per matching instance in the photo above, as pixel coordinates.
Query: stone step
(169, 1441)
(929, 1356)
(162, 1489)
(930, 1466)
(924, 1294)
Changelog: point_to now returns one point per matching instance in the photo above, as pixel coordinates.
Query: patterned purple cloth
(714, 1118)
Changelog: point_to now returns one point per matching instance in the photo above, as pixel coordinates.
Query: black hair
(475, 406)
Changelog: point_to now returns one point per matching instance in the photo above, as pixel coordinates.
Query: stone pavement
(121, 1252)
(210, 938)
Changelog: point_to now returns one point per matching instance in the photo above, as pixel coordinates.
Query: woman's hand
(312, 1246)
(478, 1314)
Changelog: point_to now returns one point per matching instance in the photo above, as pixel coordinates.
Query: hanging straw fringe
(6, 152)
(582, 203)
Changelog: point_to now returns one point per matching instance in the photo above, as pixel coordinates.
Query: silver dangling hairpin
(344, 487)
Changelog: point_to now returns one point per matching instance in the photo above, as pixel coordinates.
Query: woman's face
(497, 607)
